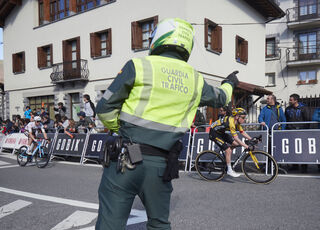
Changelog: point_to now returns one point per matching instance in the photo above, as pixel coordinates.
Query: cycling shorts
(223, 140)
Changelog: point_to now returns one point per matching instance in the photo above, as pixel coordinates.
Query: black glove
(172, 170)
(232, 79)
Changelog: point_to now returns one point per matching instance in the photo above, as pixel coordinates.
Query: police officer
(152, 102)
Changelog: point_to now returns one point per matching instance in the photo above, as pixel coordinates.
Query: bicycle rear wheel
(210, 165)
(22, 156)
(260, 167)
(42, 157)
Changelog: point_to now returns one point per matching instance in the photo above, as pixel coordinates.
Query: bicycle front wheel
(42, 157)
(260, 167)
(22, 156)
(210, 165)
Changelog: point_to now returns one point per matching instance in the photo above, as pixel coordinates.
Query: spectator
(296, 111)
(271, 114)
(83, 122)
(92, 127)
(316, 116)
(70, 129)
(9, 126)
(43, 112)
(27, 112)
(198, 121)
(223, 111)
(89, 107)
(61, 109)
(48, 124)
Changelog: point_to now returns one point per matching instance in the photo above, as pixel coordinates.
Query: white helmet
(37, 118)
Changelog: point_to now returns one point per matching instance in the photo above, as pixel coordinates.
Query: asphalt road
(64, 196)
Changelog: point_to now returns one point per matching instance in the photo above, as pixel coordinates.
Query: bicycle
(258, 166)
(41, 154)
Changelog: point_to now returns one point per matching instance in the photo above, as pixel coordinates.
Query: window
(270, 47)
(58, 9)
(75, 105)
(83, 5)
(43, 101)
(45, 56)
(307, 8)
(271, 79)
(71, 58)
(18, 62)
(307, 43)
(307, 77)
(100, 43)
(140, 32)
(212, 36)
(241, 50)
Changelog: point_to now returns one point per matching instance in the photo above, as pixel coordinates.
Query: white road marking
(76, 219)
(88, 228)
(4, 163)
(139, 215)
(13, 207)
(8, 166)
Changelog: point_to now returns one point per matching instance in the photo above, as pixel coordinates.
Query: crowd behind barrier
(289, 146)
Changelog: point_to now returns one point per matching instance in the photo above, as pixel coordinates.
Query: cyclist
(33, 129)
(228, 142)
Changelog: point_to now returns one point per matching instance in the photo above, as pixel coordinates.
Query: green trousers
(117, 192)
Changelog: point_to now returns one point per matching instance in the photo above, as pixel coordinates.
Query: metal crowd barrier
(298, 146)
(210, 145)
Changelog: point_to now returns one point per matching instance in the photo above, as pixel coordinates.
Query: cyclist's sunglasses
(243, 117)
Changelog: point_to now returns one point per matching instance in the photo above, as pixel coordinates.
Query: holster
(172, 169)
(111, 149)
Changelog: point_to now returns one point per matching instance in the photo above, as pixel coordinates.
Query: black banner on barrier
(69, 147)
(296, 146)
(202, 142)
(95, 145)
(185, 143)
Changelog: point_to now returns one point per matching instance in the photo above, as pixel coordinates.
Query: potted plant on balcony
(301, 82)
(314, 81)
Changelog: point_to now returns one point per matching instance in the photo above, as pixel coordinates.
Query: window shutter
(139, 36)
(40, 57)
(51, 55)
(92, 45)
(219, 38)
(78, 48)
(155, 21)
(214, 39)
(237, 48)
(97, 45)
(206, 24)
(65, 51)
(109, 41)
(134, 26)
(14, 66)
(245, 51)
(23, 62)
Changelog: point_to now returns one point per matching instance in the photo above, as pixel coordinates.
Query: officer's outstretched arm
(219, 97)
(109, 106)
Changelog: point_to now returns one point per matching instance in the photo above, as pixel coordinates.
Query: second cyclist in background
(228, 142)
(34, 128)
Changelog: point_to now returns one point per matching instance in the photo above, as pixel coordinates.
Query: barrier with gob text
(292, 146)
(95, 146)
(66, 146)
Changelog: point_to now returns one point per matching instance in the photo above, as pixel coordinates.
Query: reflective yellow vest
(165, 95)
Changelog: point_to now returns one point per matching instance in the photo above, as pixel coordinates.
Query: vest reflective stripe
(146, 91)
(184, 122)
(166, 91)
(150, 124)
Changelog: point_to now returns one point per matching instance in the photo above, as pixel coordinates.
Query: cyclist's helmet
(37, 118)
(238, 111)
(172, 34)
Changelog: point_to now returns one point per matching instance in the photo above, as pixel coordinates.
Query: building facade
(58, 50)
(293, 52)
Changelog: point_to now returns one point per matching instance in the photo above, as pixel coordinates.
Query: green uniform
(152, 101)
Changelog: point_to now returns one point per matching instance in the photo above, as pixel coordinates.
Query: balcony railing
(302, 13)
(70, 71)
(303, 54)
